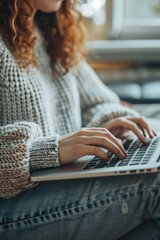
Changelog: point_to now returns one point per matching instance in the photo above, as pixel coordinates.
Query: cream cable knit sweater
(38, 106)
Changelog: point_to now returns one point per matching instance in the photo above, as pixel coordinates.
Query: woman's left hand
(138, 125)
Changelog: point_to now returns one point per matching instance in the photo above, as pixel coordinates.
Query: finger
(142, 122)
(143, 130)
(102, 142)
(117, 142)
(155, 134)
(81, 132)
(105, 133)
(111, 137)
(103, 129)
(126, 123)
(134, 128)
(93, 150)
(123, 133)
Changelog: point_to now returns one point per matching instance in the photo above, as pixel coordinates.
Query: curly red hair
(63, 32)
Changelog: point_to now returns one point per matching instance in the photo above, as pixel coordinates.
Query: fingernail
(151, 133)
(125, 153)
(144, 139)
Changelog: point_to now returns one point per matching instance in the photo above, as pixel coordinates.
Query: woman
(48, 94)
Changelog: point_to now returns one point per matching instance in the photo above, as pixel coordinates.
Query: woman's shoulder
(8, 61)
(3, 47)
(9, 70)
(6, 56)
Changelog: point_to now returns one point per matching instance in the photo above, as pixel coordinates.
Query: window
(125, 47)
(121, 19)
(134, 19)
(134, 26)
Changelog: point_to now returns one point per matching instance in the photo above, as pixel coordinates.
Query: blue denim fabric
(123, 207)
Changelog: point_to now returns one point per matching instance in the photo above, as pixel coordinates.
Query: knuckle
(82, 132)
(104, 129)
(107, 134)
(132, 124)
(103, 140)
(142, 119)
(121, 119)
(94, 150)
(78, 140)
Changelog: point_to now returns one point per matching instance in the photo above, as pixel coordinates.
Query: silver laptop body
(141, 159)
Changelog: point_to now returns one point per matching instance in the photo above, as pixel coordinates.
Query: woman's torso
(40, 96)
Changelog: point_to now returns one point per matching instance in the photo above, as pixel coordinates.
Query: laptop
(141, 158)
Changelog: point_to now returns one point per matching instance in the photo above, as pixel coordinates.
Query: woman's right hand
(89, 141)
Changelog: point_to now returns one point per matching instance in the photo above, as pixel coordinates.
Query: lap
(77, 209)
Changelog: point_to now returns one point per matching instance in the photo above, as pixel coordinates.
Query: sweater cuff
(109, 111)
(44, 153)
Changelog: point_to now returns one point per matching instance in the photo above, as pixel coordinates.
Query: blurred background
(124, 48)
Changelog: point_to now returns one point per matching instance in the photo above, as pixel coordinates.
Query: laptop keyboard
(137, 154)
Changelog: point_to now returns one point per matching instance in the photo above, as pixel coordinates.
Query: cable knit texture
(38, 106)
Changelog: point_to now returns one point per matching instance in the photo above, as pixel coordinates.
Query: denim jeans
(121, 207)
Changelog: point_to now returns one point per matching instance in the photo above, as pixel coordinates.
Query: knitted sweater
(38, 106)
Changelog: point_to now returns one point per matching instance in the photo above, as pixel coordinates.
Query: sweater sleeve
(99, 104)
(23, 145)
(23, 149)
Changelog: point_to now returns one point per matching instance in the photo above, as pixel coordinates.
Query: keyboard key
(101, 164)
(137, 153)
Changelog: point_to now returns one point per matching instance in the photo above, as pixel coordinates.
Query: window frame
(121, 28)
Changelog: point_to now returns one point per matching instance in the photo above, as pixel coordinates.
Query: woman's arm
(99, 103)
(23, 146)
(23, 149)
